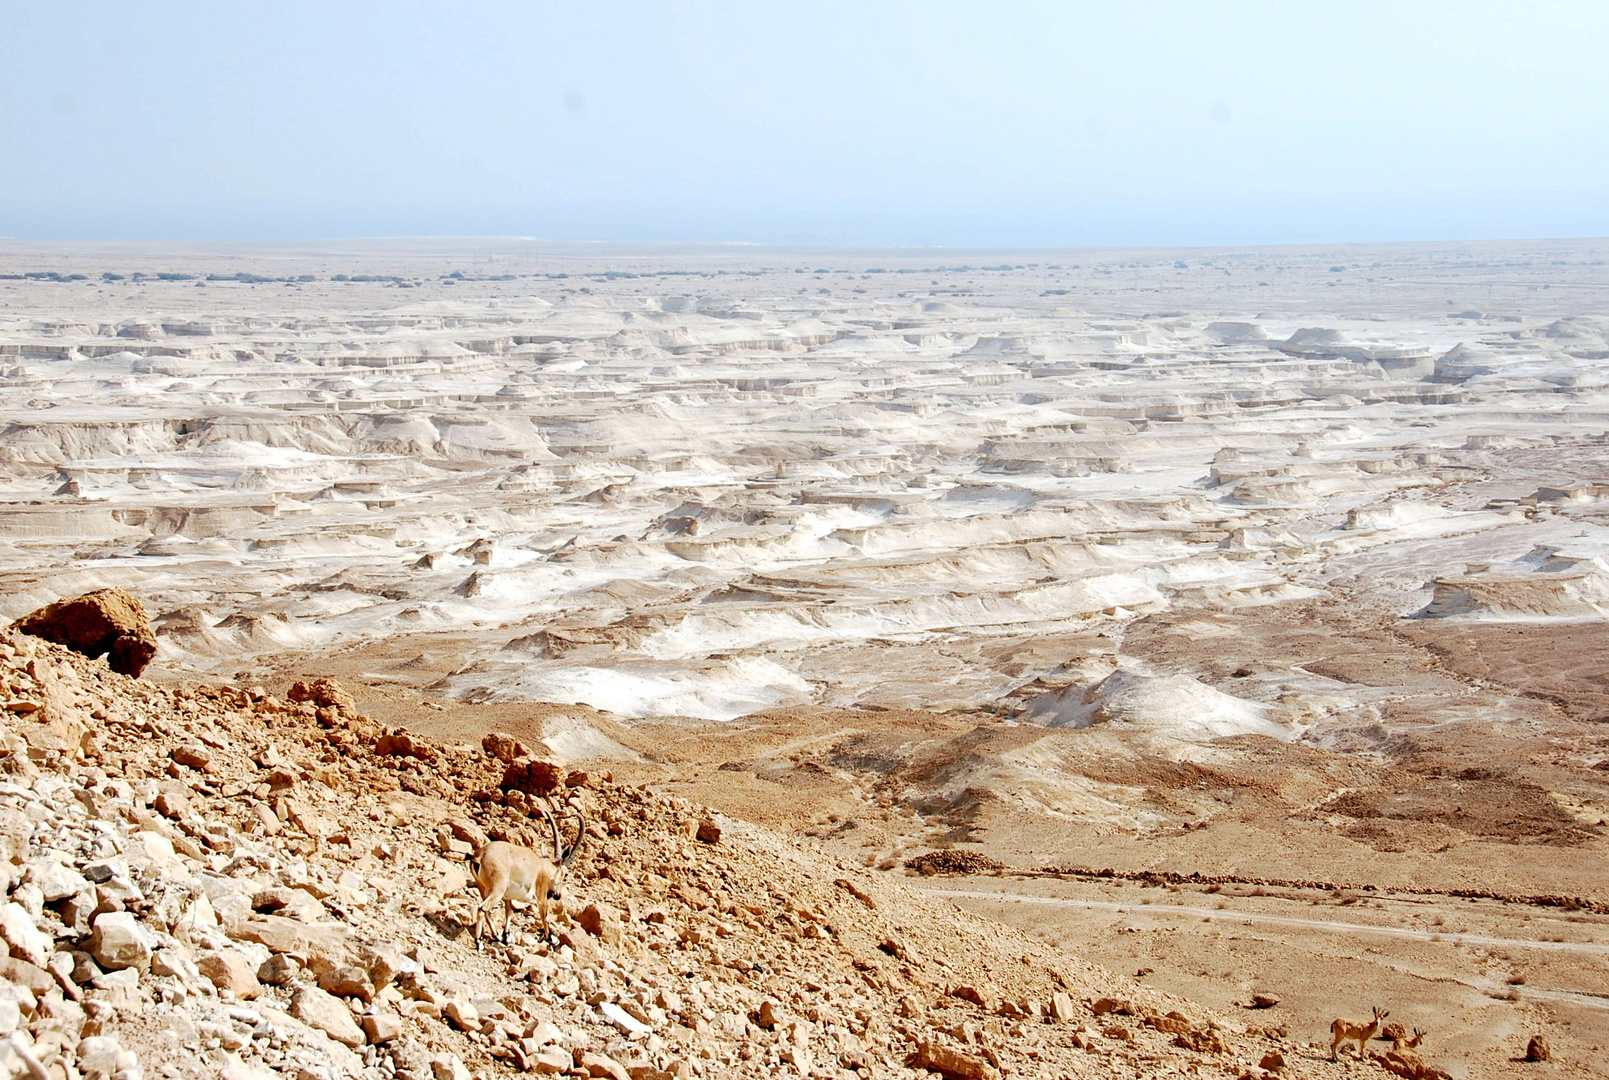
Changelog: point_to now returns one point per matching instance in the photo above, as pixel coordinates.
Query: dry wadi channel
(1236, 616)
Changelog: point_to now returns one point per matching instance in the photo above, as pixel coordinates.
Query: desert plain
(1239, 612)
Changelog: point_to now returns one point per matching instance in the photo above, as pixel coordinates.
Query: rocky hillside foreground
(215, 881)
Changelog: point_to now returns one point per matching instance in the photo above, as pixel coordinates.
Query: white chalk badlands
(708, 482)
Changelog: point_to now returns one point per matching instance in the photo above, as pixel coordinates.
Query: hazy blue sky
(986, 123)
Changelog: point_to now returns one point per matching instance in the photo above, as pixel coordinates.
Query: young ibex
(1348, 1030)
(1400, 1045)
(508, 872)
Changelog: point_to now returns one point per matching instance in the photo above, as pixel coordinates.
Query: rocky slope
(215, 881)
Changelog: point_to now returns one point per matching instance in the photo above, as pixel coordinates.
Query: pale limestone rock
(328, 1014)
(278, 969)
(175, 961)
(119, 941)
(198, 918)
(549, 1061)
(629, 1025)
(348, 981)
(27, 941)
(55, 880)
(382, 1026)
(325, 941)
(103, 1054)
(235, 1069)
(462, 1014)
(449, 1068)
(603, 1066)
(232, 970)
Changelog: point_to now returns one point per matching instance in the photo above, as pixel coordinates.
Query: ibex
(1347, 1030)
(1400, 1045)
(508, 872)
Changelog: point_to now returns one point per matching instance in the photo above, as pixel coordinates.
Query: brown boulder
(1175, 1023)
(401, 744)
(1409, 1066)
(1202, 1041)
(229, 969)
(347, 980)
(504, 747)
(532, 776)
(935, 1057)
(325, 694)
(106, 622)
(968, 992)
(600, 921)
(1538, 1050)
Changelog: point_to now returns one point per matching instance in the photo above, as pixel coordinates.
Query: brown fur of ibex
(506, 873)
(1400, 1045)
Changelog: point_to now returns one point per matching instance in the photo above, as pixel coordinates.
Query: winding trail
(1574, 997)
(1331, 925)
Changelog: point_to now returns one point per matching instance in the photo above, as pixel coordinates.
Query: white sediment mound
(1541, 585)
(1174, 706)
(869, 479)
(1237, 333)
(719, 691)
(572, 738)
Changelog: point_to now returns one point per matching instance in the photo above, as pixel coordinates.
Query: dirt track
(1334, 925)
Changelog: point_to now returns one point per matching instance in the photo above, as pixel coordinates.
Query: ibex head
(562, 856)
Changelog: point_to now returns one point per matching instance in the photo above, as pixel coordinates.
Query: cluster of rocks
(217, 881)
(953, 861)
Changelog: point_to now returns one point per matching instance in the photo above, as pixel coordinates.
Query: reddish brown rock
(532, 776)
(401, 744)
(324, 694)
(600, 921)
(196, 757)
(1202, 1041)
(1175, 1023)
(968, 992)
(504, 747)
(951, 1063)
(229, 969)
(951, 861)
(106, 622)
(1409, 1066)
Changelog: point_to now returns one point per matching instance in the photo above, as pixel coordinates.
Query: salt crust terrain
(744, 485)
(1269, 577)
